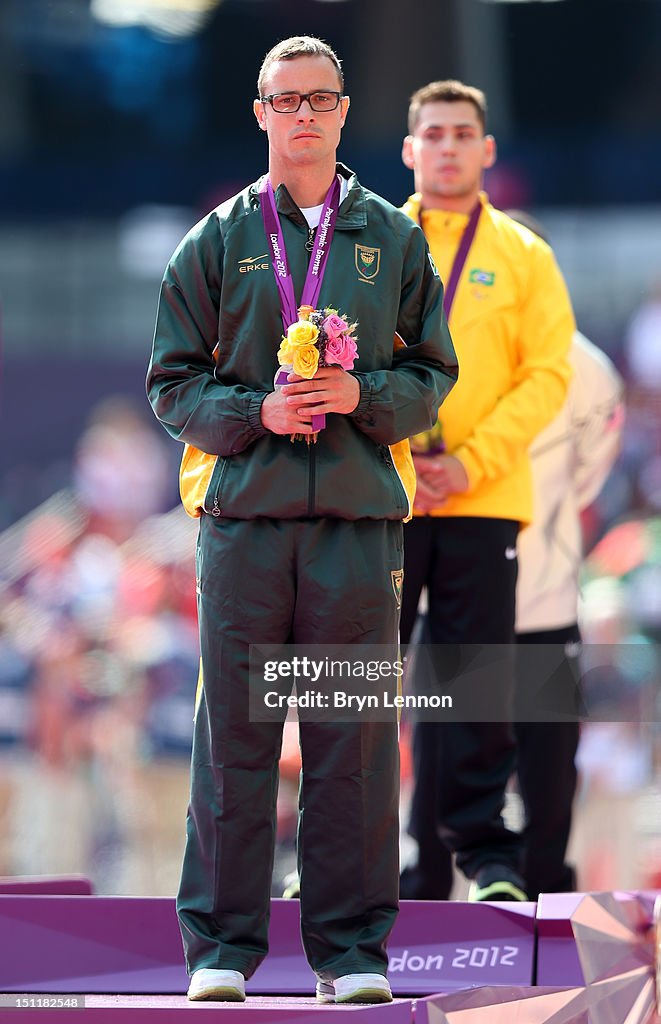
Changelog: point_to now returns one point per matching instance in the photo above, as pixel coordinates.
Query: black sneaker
(498, 883)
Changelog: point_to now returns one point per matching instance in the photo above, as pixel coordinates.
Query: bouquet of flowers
(320, 337)
(429, 442)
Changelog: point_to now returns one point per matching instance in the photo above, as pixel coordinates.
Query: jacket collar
(352, 212)
(448, 218)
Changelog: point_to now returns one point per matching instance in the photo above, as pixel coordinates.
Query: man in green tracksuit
(298, 542)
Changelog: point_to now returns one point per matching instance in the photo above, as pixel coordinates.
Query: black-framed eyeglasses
(290, 102)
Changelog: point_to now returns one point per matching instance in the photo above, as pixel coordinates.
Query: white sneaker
(223, 986)
(355, 988)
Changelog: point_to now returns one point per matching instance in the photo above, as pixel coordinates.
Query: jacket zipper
(398, 486)
(312, 475)
(216, 510)
(312, 463)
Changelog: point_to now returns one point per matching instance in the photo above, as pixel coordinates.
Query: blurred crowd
(99, 659)
(99, 656)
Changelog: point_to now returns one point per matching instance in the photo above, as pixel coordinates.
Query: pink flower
(341, 350)
(334, 325)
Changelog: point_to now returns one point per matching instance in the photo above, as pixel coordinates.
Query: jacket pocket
(213, 497)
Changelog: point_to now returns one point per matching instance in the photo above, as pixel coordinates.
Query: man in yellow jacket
(512, 325)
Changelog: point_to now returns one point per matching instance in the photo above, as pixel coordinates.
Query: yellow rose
(302, 333)
(285, 353)
(306, 361)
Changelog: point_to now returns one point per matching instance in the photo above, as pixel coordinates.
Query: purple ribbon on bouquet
(318, 260)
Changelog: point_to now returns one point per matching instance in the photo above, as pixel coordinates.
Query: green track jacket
(214, 359)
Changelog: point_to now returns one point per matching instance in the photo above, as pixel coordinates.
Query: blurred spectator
(121, 473)
(636, 487)
(643, 344)
(571, 459)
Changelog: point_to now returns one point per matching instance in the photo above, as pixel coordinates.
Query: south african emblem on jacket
(368, 261)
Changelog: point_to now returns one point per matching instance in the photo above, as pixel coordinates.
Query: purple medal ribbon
(318, 260)
(459, 257)
(455, 273)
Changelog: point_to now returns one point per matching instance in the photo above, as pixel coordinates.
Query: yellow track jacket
(512, 327)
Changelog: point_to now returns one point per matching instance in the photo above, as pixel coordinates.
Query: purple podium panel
(285, 969)
(443, 946)
(100, 1009)
(557, 955)
(120, 944)
(90, 944)
(507, 1006)
(46, 885)
(99, 944)
(596, 920)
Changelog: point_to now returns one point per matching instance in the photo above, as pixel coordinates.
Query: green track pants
(325, 581)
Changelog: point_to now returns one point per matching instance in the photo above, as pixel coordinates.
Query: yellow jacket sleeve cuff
(470, 464)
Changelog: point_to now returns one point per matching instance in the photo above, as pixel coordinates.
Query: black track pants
(546, 771)
(461, 768)
(546, 765)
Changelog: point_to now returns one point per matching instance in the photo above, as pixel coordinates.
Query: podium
(572, 957)
(100, 944)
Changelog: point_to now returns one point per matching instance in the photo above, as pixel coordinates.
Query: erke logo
(250, 263)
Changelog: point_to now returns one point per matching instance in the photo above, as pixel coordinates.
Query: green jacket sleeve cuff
(362, 414)
(255, 413)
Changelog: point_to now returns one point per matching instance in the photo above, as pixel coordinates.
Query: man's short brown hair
(447, 91)
(298, 46)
